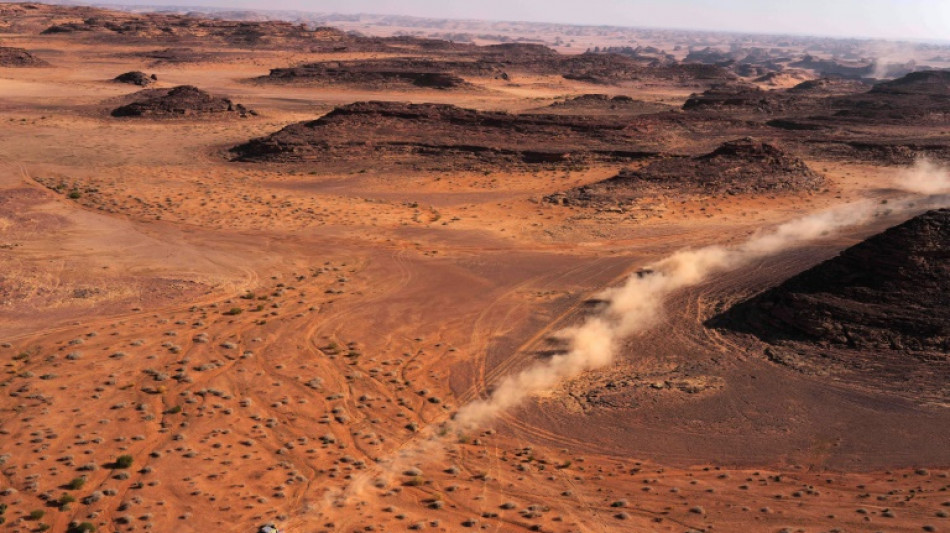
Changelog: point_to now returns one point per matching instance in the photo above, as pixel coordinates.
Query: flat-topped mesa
(447, 135)
(179, 102)
(593, 104)
(412, 71)
(742, 166)
(173, 27)
(829, 87)
(736, 96)
(616, 68)
(19, 58)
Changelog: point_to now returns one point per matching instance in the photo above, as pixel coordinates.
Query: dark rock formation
(834, 67)
(498, 61)
(829, 87)
(18, 57)
(444, 132)
(891, 291)
(733, 95)
(880, 309)
(604, 104)
(736, 167)
(616, 68)
(917, 99)
(136, 78)
(418, 72)
(930, 82)
(179, 102)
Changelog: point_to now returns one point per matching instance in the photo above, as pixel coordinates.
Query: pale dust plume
(637, 305)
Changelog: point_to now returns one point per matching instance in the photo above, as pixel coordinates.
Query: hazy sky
(900, 19)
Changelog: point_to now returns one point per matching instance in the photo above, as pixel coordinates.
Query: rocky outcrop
(890, 292)
(604, 104)
(381, 72)
(445, 134)
(737, 167)
(19, 58)
(180, 102)
(919, 98)
(736, 95)
(136, 78)
(878, 313)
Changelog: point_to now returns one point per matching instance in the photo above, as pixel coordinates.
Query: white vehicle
(268, 528)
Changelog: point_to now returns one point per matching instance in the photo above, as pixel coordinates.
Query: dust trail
(637, 305)
(925, 177)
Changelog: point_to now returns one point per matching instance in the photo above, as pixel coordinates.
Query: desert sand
(191, 342)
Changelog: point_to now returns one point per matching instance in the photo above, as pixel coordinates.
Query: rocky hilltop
(18, 57)
(437, 132)
(889, 292)
(181, 101)
(505, 61)
(881, 308)
(136, 77)
(736, 167)
(917, 99)
(376, 72)
(593, 104)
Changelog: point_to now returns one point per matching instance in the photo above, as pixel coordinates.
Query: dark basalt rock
(18, 58)
(413, 71)
(919, 98)
(731, 95)
(604, 104)
(890, 292)
(877, 315)
(136, 78)
(736, 167)
(454, 135)
(829, 87)
(929, 82)
(179, 102)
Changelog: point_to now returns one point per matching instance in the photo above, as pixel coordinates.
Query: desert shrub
(123, 461)
(83, 527)
(234, 311)
(415, 481)
(76, 483)
(36, 514)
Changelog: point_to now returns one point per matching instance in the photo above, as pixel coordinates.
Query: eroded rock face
(18, 57)
(890, 292)
(437, 132)
(179, 102)
(736, 167)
